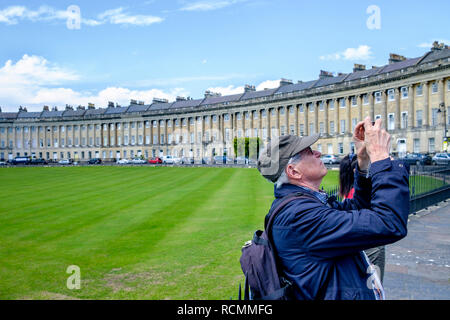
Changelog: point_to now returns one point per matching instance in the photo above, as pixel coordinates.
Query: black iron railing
(428, 186)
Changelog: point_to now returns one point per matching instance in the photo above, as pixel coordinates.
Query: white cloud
(117, 16)
(225, 91)
(268, 84)
(33, 82)
(13, 14)
(428, 45)
(363, 52)
(229, 90)
(209, 5)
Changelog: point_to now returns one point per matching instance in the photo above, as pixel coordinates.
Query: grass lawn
(135, 232)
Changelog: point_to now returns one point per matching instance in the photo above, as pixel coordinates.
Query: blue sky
(126, 50)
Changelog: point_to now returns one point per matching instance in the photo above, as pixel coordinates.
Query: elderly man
(319, 241)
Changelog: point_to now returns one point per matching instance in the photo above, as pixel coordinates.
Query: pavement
(418, 266)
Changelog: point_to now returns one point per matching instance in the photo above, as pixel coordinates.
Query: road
(418, 266)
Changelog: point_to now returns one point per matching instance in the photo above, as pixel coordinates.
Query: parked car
(170, 160)
(3, 162)
(21, 160)
(95, 161)
(39, 161)
(330, 159)
(222, 159)
(417, 159)
(241, 160)
(206, 160)
(122, 161)
(137, 161)
(65, 161)
(187, 160)
(155, 160)
(441, 158)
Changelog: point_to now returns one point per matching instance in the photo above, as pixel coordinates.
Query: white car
(137, 161)
(122, 161)
(170, 160)
(64, 161)
(441, 158)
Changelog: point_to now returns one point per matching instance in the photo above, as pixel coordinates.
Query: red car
(155, 160)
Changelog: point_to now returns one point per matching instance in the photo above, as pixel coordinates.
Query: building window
(184, 122)
(330, 148)
(377, 97)
(341, 147)
(434, 117)
(448, 85)
(342, 126)
(155, 124)
(162, 123)
(311, 128)
(133, 140)
(434, 87)
(291, 129)
(354, 101)
(404, 122)
(147, 139)
(416, 145)
(321, 128)
(419, 90)
(161, 141)
(319, 147)
(226, 117)
(140, 139)
(192, 137)
(300, 108)
(125, 140)
(431, 146)
(321, 107)
(331, 105)
(282, 110)
(302, 129)
(354, 123)
(291, 110)
(140, 125)
(332, 131)
(119, 140)
(391, 94)
(391, 121)
(404, 91)
(419, 118)
(247, 115)
(342, 103)
(283, 130)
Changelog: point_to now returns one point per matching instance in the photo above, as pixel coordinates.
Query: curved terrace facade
(410, 95)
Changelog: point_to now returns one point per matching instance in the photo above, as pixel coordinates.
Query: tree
(248, 147)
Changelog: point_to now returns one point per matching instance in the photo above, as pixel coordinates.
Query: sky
(75, 52)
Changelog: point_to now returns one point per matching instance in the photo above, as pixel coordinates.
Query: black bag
(260, 266)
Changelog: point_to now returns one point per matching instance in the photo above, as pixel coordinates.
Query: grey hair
(283, 179)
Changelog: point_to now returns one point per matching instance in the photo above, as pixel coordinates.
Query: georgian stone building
(412, 96)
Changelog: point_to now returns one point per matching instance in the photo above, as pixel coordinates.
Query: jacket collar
(288, 188)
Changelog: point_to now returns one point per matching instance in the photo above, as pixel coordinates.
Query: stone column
(286, 119)
(426, 112)
(296, 124)
(411, 115)
(349, 115)
(441, 99)
(360, 107)
(306, 110)
(336, 116)
(384, 108)
(325, 113)
(397, 109)
(316, 116)
(371, 106)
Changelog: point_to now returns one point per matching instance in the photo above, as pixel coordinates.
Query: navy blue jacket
(319, 244)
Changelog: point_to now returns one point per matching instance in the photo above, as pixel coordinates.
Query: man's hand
(376, 140)
(360, 147)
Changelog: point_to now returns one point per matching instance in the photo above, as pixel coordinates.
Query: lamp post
(445, 140)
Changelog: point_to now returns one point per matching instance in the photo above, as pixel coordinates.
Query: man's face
(310, 165)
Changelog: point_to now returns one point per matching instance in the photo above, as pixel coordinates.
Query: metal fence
(428, 185)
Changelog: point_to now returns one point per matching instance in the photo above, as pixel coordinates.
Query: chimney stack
(249, 88)
(393, 58)
(91, 106)
(180, 98)
(209, 93)
(158, 100)
(45, 108)
(358, 67)
(325, 74)
(284, 82)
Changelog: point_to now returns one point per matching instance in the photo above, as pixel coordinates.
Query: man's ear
(293, 173)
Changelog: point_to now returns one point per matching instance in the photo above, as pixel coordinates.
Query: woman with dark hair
(347, 167)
